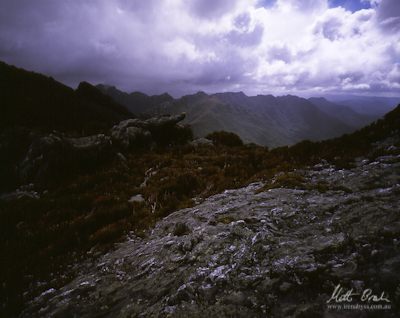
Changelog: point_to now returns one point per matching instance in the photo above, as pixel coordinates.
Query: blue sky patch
(352, 5)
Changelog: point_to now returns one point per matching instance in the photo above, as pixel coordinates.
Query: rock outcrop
(134, 132)
(55, 155)
(253, 252)
(127, 134)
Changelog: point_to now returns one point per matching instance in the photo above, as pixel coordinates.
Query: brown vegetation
(40, 236)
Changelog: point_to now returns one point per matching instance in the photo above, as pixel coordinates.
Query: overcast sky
(183, 46)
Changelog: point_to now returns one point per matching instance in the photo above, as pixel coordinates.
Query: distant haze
(303, 47)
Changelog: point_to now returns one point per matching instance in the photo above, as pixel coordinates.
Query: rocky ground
(265, 250)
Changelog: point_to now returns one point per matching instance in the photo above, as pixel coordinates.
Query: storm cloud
(282, 46)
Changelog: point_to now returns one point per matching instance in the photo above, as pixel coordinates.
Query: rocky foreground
(262, 250)
(52, 156)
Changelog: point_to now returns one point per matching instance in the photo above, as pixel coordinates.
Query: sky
(303, 47)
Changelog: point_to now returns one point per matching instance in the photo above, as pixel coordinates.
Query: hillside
(343, 113)
(264, 120)
(36, 101)
(276, 247)
(137, 102)
(367, 105)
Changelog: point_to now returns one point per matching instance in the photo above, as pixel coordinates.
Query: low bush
(223, 138)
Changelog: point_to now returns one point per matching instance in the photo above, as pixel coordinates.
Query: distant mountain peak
(290, 97)
(200, 93)
(83, 85)
(320, 99)
(105, 86)
(137, 93)
(240, 93)
(166, 95)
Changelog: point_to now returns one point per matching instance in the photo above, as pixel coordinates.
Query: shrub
(291, 180)
(175, 135)
(107, 233)
(224, 138)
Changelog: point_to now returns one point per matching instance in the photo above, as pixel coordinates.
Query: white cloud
(302, 5)
(182, 46)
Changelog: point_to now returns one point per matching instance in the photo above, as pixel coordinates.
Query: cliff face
(278, 249)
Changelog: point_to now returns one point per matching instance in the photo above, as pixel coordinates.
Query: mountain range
(263, 119)
(368, 105)
(36, 101)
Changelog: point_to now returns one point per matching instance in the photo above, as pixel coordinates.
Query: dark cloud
(181, 46)
(280, 53)
(331, 29)
(247, 38)
(242, 21)
(389, 15)
(352, 77)
(211, 9)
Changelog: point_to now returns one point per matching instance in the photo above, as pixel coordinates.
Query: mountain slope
(341, 112)
(36, 101)
(368, 105)
(265, 120)
(137, 102)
